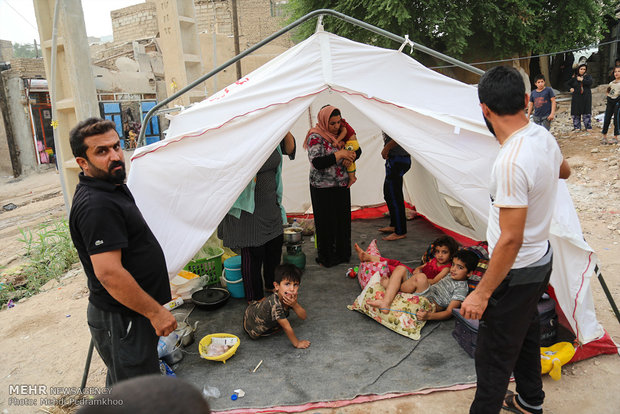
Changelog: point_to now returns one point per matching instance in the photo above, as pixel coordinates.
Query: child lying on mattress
(446, 294)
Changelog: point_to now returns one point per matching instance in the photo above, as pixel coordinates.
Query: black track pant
(332, 221)
(509, 341)
(258, 263)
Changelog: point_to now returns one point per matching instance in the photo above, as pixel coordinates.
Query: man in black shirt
(123, 261)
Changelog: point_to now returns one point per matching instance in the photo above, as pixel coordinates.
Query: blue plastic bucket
(232, 266)
(232, 277)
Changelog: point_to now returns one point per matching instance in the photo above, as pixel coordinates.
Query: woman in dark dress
(331, 197)
(256, 228)
(581, 104)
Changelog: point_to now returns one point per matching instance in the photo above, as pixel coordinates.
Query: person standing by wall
(523, 186)
(124, 263)
(397, 163)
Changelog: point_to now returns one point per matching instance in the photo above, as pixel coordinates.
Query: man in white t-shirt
(523, 190)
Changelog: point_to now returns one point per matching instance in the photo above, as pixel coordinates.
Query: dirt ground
(44, 339)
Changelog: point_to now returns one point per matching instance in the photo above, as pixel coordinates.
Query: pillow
(481, 250)
(367, 269)
(401, 318)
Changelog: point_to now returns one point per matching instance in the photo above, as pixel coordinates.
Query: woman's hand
(571, 90)
(347, 156)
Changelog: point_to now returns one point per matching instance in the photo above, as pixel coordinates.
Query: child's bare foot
(364, 257)
(383, 307)
(388, 229)
(352, 180)
(394, 236)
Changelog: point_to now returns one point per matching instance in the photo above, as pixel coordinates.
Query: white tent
(185, 184)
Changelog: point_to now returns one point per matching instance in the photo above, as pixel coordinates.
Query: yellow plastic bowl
(206, 341)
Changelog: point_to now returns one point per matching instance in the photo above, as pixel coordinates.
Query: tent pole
(607, 292)
(87, 364)
(320, 13)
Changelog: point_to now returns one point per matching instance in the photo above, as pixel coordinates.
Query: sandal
(604, 141)
(511, 404)
(613, 141)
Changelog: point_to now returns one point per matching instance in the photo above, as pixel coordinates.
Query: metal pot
(292, 234)
(175, 356)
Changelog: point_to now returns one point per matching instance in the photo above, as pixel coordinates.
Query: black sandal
(511, 404)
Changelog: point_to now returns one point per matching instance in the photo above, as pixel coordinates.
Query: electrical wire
(531, 56)
(20, 15)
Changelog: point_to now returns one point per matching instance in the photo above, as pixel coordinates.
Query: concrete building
(129, 73)
(26, 137)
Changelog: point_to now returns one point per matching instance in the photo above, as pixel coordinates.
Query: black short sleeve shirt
(104, 217)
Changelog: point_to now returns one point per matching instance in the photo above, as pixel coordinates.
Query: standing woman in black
(581, 104)
(331, 197)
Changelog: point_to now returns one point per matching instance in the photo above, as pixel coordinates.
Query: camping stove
(293, 247)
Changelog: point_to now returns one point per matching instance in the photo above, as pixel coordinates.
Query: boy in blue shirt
(542, 101)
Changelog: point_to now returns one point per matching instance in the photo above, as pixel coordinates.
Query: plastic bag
(214, 350)
(166, 344)
(210, 392)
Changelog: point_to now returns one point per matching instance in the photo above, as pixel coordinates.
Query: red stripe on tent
(265, 107)
(583, 277)
(603, 345)
(172, 141)
(340, 403)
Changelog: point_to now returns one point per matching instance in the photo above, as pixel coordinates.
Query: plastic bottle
(174, 303)
(295, 224)
(167, 344)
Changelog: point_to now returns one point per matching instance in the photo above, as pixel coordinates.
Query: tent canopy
(185, 184)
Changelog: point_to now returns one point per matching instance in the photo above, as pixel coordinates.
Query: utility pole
(8, 130)
(235, 23)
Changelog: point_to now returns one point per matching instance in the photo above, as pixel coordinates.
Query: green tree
(502, 28)
(24, 50)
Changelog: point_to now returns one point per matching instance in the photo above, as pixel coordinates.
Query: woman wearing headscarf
(331, 197)
(581, 103)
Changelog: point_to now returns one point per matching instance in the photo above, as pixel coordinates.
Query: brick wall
(28, 68)
(6, 51)
(134, 22)
(257, 20)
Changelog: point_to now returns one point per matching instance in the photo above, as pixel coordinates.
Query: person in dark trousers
(254, 223)
(123, 262)
(523, 185)
(581, 102)
(329, 188)
(397, 163)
